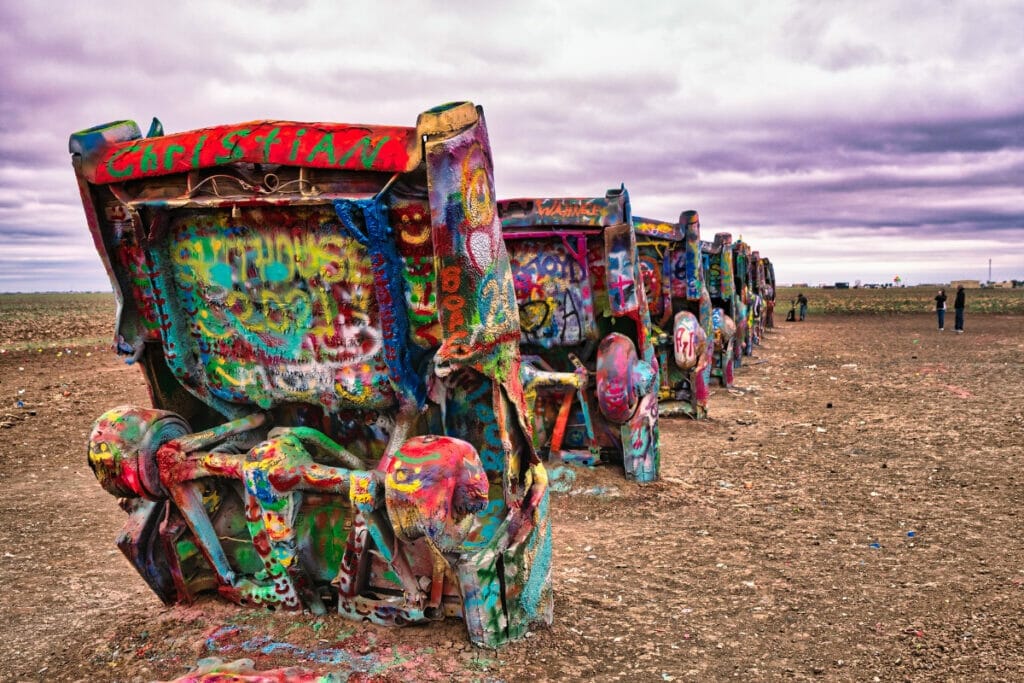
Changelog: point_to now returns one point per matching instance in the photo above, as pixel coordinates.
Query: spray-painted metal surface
(324, 315)
(744, 271)
(760, 293)
(769, 292)
(680, 308)
(755, 288)
(589, 364)
(721, 285)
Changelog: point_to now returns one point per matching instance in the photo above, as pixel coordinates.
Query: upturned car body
(589, 363)
(680, 309)
(325, 317)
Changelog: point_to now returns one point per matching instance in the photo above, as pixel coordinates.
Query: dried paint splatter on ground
(879, 537)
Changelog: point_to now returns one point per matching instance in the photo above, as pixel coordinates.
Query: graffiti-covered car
(769, 292)
(748, 303)
(759, 294)
(324, 316)
(718, 278)
(589, 365)
(680, 310)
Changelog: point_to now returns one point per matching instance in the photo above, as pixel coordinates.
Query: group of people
(940, 308)
(958, 307)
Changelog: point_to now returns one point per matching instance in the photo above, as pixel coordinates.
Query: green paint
(150, 161)
(169, 155)
(325, 527)
(295, 144)
(186, 549)
(269, 141)
(127, 170)
(232, 146)
(198, 150)
(131, 430)
(434, 455)
(325, 146)
(362, 146)
(247, 559)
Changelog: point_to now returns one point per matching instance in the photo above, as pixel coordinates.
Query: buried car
(589, 365)
(745, 267)
(718, 278)
(324, 317)
(680, 311)
(768, 292)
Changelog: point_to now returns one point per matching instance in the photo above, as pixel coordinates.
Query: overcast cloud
(845, 140)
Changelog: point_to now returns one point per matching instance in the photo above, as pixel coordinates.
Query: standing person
(802, 300)
(940, 308)
(958, 306)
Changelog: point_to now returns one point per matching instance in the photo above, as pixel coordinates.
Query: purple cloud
(833, 138)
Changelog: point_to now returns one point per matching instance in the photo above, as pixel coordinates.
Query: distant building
(966, 284)
(842, 285)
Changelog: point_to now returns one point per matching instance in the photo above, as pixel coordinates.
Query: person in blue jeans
(940, 309)
(958, 307)
(802, 300)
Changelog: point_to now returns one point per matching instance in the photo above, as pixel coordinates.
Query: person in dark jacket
(802, 301)
(958, 306)
(940, 308)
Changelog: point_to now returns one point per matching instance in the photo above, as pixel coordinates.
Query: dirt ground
(853, 510)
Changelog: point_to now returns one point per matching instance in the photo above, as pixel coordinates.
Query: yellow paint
(399, 480)
(359, 490)
(416, 238)
(278, 529)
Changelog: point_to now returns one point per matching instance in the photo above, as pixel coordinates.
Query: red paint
(318, 145)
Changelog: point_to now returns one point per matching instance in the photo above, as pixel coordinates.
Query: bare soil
(853, 510)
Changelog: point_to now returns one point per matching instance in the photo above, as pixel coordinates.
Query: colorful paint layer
(331, 306)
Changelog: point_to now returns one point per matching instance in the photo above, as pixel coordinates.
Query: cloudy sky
(846, 140)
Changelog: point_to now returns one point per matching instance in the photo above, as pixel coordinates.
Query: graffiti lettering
(572, 208)
(338, 146)
(275, 258)
(534, 313)
(284, 314)
(553, 292)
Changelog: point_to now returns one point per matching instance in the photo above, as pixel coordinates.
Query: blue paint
(263, 644)
(389, 285)
(277, 272)
(536, 585)
(220, 273)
